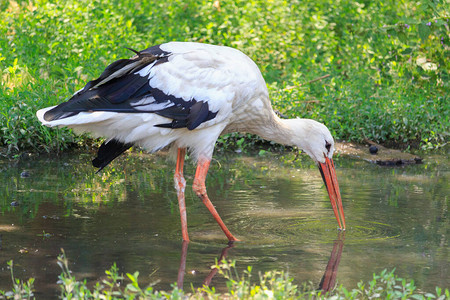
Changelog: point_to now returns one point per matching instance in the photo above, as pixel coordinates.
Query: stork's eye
(328, 146)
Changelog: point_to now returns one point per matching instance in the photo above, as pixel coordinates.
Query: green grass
(367, 69)
(270, 285)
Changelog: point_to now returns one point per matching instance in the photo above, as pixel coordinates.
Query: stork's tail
(40, 114)
(107, 152)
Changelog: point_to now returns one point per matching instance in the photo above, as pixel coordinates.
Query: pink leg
(182, 269)
(180, 185)
(200, 190)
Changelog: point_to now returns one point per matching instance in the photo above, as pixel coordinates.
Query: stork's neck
(282, 131)
(312, 137)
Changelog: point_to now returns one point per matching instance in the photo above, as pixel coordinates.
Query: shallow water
(396, 218)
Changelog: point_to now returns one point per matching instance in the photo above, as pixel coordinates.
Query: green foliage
(368, 69)
(109, 288)
(270, 285)
(20, 289)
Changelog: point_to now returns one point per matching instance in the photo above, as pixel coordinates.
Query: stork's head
(316, 140)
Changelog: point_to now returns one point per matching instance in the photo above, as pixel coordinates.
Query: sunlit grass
(376, 70)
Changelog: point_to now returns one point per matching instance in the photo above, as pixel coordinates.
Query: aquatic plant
(270, 285)
(20, 289)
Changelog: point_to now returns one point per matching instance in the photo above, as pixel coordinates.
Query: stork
(184, 95)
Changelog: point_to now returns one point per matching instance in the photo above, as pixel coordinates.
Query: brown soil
(384, 156)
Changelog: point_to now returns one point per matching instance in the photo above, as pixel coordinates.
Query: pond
(397, 217)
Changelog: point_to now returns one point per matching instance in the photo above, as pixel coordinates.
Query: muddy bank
(375, 153)
(370, 152)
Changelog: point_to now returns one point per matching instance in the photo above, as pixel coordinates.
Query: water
(396, 218)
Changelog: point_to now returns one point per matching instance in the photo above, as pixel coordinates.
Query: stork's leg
(200, 189)
(182, 269)
(180, 185)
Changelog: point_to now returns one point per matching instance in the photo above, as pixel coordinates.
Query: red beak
(329, 178)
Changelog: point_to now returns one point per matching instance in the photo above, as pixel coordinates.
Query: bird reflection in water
(210, 276)
(327, 283)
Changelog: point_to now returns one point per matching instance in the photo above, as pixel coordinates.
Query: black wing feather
(198, 114)
(115, 66)
(108, 151)
(120, 89)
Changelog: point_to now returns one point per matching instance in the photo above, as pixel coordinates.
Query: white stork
(185, 95)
